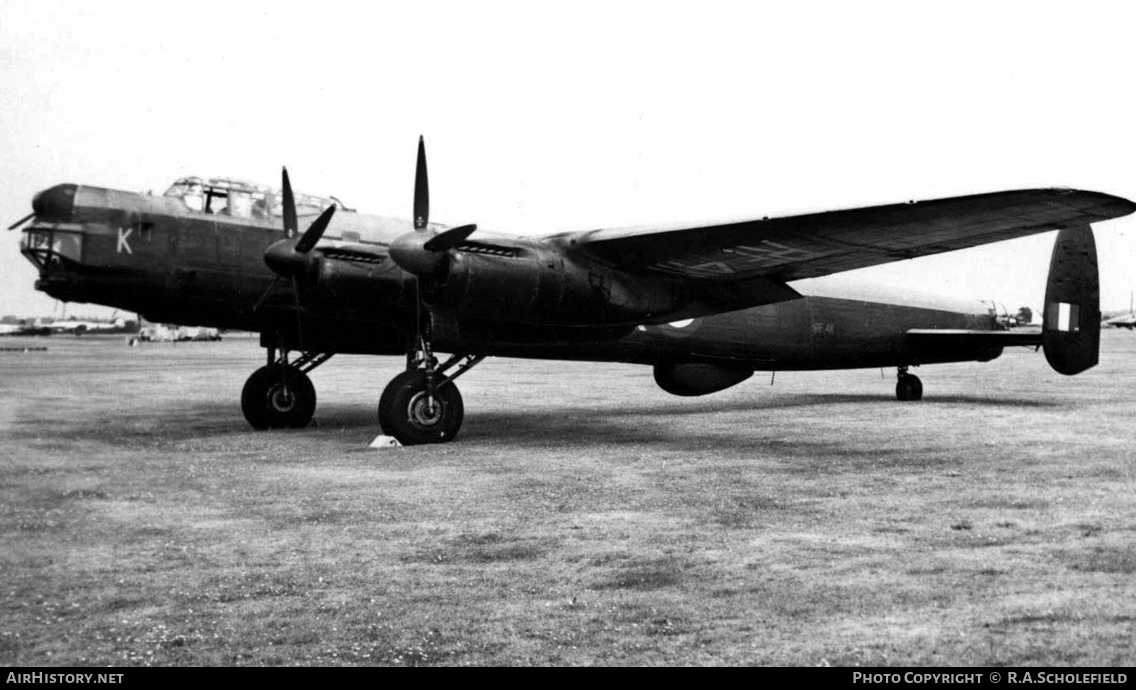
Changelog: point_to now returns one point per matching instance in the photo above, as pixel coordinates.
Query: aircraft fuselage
(153, 256)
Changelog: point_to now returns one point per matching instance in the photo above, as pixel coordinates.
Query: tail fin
(1071, 324)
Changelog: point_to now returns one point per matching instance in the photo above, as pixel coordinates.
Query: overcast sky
(544, 117)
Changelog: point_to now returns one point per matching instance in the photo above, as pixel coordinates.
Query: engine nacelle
(698, 378)
(540, 287)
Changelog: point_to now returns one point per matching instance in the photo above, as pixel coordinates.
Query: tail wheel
(414, 417)
(278, 397)
(909, 387)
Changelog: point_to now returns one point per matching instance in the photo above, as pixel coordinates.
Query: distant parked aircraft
(1124, 320)
(77, 327)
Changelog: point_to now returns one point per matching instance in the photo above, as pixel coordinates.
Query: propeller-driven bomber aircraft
(705, 304)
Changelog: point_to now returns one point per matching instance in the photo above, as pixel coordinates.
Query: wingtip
(1128, 205)
(1099, 204)
(1112, 206)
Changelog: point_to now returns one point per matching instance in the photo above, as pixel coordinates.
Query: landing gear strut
(422, 404)
(908, 386)
(280, 395)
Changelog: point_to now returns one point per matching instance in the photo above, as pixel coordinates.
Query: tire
(403, 411)
(908, 388)
(278, 397)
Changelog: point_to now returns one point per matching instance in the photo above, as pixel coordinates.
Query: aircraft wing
(817, 244)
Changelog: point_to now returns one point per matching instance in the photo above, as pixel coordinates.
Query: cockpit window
(191, 191)
(240, 204)
(228, 197)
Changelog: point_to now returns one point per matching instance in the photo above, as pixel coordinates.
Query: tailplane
(1071, 322)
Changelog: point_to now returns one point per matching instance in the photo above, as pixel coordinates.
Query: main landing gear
(908, 386)
(422, 404)
(280, 395)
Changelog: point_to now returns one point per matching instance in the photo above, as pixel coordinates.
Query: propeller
(420, 253)
(445, 241)
(290, 223)
(426, 256)
(291, 258)
(421, 189)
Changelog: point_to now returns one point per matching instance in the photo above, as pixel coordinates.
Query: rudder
(1071, 322)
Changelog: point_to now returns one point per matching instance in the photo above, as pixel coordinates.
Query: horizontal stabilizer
(943, 337)
(925, 346)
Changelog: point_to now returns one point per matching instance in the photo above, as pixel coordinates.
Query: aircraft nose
(56, 203)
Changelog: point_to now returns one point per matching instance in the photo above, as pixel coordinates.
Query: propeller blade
(315, 230)
(264, 295)
(291, 225)
(421, 189)
(450, 238)
(21, 221)
(299, 319)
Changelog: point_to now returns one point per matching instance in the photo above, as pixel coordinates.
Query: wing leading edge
(818, 244)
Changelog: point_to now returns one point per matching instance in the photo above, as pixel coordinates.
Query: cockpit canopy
(225, 196)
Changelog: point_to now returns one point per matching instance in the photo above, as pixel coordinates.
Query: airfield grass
(583, 516)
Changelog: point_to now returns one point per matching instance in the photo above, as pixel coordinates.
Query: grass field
(583, 516)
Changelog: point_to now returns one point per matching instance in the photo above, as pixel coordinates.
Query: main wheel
(278, 397)
(909, 387)
(406, 412)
